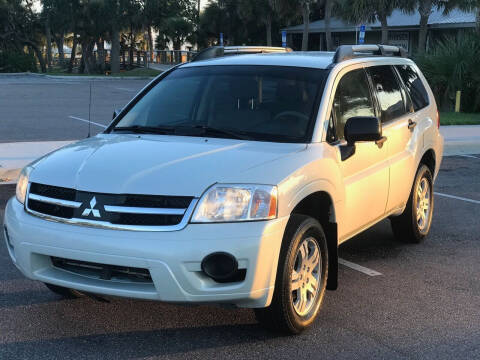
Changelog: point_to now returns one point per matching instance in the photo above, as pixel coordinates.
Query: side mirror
(116, 112)
(361, 128)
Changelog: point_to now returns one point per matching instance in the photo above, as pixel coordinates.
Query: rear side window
(352, 98)
(388, 91)
(414, 86)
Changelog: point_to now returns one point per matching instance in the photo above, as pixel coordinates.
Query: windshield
(269, 103)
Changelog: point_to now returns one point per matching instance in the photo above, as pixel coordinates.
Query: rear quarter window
(414, 86)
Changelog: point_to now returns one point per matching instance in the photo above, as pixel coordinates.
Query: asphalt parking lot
(24, 116)
(425, 304)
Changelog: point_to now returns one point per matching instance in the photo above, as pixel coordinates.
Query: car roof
(307, 59)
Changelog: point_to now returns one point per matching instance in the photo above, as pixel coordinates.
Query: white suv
(233, 180)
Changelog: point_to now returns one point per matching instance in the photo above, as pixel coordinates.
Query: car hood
(156, 164)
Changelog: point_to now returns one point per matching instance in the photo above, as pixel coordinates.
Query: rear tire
(301, 278)
(414, 223)
(63, 291)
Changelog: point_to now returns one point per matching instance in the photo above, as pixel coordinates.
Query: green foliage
(452, 65)
(453, 118)
(16, 61)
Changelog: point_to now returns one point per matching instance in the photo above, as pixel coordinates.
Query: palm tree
(424, 8)
(299, 7)
(264, 10)
(359, 11)
(465, 5)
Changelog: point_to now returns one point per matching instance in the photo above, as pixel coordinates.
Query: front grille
(55, 192)
(103, 271)
(130, 211)
(50, 209)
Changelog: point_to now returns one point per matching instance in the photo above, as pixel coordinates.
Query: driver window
(352, 98)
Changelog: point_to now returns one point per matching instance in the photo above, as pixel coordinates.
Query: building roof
(398, 21)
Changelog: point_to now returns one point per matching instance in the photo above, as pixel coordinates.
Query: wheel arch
(320, 206)
(428, 158)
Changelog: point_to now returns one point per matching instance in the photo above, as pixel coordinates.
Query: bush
(11, 62)
(451, 66)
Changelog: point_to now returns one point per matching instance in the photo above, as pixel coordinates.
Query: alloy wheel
(305, 277)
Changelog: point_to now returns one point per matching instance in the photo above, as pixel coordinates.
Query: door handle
(380, 141)
(411, 124)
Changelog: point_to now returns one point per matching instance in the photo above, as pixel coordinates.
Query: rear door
(398, 125)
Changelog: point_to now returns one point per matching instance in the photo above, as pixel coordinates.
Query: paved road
(37, 108)
(425, 305)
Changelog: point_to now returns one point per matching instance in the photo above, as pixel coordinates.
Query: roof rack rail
(347, 52)
(209, 53)
(220, 51)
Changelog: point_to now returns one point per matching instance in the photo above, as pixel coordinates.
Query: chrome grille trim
(143, 210)
(187, 214)
(49, 200)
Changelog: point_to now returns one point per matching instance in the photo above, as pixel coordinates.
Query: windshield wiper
(216, 131)
(199, 130)
(146, 129)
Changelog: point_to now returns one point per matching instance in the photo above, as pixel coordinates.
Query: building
(403, 30)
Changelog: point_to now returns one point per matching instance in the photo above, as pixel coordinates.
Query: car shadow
(378, 242)
(138, 344)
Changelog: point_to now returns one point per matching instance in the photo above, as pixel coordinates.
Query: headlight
(225, 203)
(22, 184)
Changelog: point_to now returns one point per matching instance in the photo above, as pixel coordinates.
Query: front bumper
(172, 258)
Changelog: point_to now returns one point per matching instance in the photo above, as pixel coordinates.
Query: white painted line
(470, 156)
(80, 119)
(124, 89)
(357, 267)
(458, 198)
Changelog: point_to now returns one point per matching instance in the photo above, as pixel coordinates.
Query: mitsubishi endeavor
(233, 180)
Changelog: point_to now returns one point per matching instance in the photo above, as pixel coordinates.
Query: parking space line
(357, 267)
(458, 198)
(92, 122)
(125, 89)
(470, 156)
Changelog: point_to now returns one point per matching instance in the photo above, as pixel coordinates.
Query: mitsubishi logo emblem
(92, 209)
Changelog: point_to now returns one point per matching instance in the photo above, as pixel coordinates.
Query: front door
(366, 173)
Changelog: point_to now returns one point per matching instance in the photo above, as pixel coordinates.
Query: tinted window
(414, 86)
(352, 98)
(270, 103)
(388, 92)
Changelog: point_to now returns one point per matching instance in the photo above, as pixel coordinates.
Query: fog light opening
(222, 267)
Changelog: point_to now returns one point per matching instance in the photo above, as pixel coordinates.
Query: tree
(424, 8)
(57, 15)
(327, 6)
(264, 10)
(303, 8)
(465, 5)
(21, 27)
(359, 11)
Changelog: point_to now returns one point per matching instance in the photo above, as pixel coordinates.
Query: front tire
(414, 223)
(301, 278)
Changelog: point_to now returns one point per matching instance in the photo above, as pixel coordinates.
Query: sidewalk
(160, 67)
(14, 156)
(463, 139)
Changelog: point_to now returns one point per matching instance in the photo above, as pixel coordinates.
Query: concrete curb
(76, 78)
